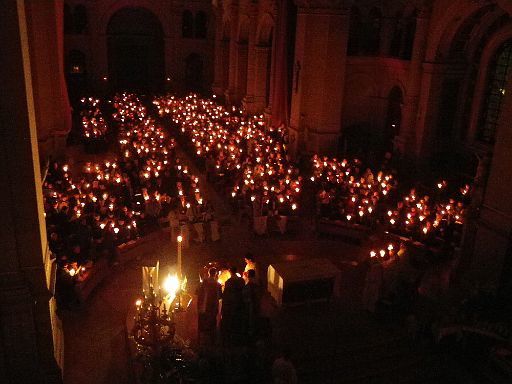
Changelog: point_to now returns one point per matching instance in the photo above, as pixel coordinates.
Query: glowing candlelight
(171, 285)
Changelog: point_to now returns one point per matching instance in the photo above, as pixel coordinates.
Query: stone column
(26, 334)
(230, 94)
(218, 86)
(268, 109)
(242, 56)
(407, 141)
(319, 76)
(248, 97)
(53, 112)
(173, 53)
(261, 74)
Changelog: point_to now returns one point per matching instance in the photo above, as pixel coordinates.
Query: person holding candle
(250, 264)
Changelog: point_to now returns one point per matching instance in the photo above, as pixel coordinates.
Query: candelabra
(165, 357)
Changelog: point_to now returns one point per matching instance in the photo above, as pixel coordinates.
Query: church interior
(256, 191)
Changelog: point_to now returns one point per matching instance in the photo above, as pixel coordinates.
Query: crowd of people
(431, 216)
(91, 209)
(251, 159)
(248, 156)
(348, 193)
(147, 181)
(94, 126)
(242, 320)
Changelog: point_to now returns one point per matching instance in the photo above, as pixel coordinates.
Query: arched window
(135, 50)
(354, 33)
(80, 19)
(201, 25)
(496, 81)
(372, 28)
(68, 19)
(187, 24)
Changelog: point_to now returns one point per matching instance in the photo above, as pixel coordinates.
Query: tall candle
(180, 239)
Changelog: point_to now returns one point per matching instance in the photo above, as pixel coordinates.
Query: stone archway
(135, 50)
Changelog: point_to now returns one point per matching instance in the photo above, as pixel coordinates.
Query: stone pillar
(406, 142)
(248, 97)
(260, 83)
(219, 86)
(26, 334)
(268, 109)
(53, 112)
(493, 227)
(242, 56)
(225, 64)
(319, 76)
(230, 94)
(173, 52)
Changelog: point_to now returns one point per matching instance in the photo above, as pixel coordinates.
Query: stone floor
(332, 343)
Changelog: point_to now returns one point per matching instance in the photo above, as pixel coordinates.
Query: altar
(302, 281)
